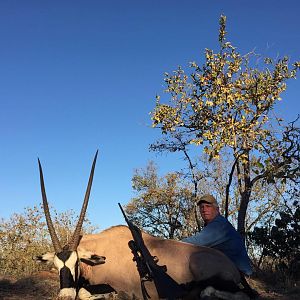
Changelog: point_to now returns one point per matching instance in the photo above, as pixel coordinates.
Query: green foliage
(164, 205)
(24, 236)
(281, 242)
(148, 208)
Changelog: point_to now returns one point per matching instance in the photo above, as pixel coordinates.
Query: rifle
(149, 270)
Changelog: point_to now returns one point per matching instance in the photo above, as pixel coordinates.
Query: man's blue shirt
(221, 235)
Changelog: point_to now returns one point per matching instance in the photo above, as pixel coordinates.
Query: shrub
(281, 242)
(24, 236)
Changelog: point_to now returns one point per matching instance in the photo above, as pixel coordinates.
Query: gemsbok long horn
(76, 236)
(55, 240)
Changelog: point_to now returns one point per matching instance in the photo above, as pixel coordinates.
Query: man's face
(208, 211)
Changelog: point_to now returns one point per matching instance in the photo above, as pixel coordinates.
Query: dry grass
(270, 289)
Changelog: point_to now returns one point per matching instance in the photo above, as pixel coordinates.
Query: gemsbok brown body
(106, 259)
(187, 264)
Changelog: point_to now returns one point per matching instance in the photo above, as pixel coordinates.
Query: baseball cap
(208, 199)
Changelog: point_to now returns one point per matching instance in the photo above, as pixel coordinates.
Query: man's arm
(211, 235)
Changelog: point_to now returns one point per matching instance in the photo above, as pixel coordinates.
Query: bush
(24, 236)
(281, 243)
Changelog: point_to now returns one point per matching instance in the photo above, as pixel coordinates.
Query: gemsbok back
(105, 259)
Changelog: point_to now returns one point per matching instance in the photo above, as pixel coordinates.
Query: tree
(151, 208)
(227, 105)
(164, 205)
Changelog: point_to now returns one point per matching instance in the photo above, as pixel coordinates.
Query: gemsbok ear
(94, 260)
(45, 258)
(90, 258)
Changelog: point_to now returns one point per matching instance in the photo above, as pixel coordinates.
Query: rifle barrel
(123, 212)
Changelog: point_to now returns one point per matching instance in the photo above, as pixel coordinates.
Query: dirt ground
(44, 286)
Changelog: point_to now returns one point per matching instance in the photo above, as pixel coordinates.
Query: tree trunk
(242, 213)
(245, 194)
(197, 218)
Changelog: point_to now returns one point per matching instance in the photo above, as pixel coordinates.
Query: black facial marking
(65, 275)
(66, 278)
(64, 255)
(39, 258)
(95, 289)
(94, 260)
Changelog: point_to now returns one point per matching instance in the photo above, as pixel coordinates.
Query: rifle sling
(146, 296)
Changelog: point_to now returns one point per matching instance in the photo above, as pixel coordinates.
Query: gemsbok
(105, 259)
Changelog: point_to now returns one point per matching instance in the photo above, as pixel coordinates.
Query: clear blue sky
(77, 76)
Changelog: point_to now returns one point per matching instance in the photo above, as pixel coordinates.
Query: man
(218, 233)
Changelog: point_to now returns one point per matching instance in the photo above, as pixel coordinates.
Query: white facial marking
(71, 263)
(49, 256)
(83, 294)
(67, 292)
(58, 263)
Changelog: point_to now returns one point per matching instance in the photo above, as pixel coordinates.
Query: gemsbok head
(67, 258)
